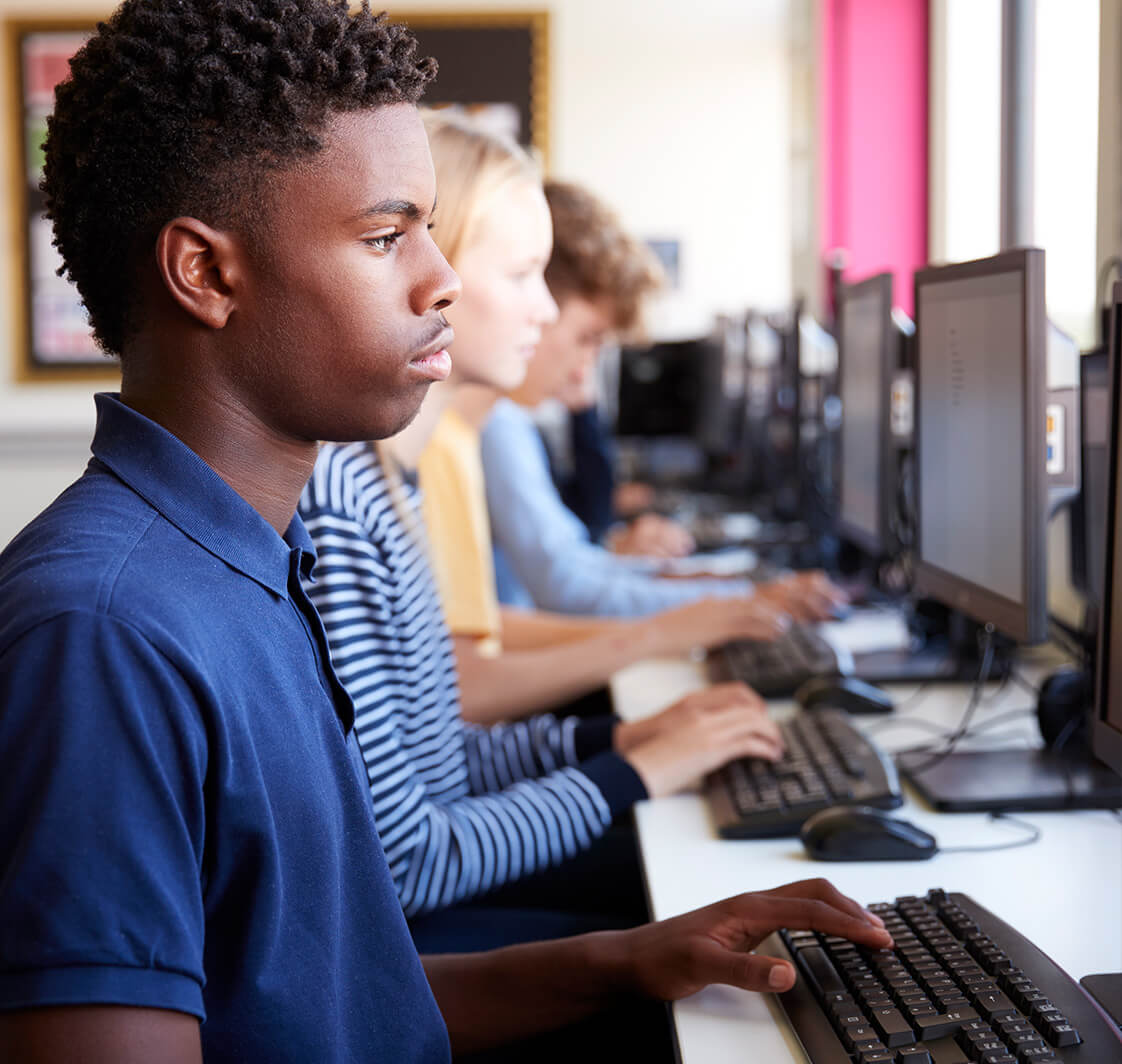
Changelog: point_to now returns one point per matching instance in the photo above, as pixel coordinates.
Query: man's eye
(384, 242)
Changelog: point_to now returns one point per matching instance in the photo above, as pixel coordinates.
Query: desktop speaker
(1062, 707)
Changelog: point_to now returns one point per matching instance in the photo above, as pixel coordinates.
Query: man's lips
(433, 360)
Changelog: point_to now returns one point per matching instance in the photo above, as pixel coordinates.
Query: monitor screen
(1106, 736)
(981, 334)
(1089, 511)
(864, 343)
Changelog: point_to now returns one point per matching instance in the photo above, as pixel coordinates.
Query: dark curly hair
(182, 107)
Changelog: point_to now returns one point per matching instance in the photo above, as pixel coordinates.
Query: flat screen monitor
(1089, 511)
(866, 362)
(1106, 727)
(664, 388)
(981, 493)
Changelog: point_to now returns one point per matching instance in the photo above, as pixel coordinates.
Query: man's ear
(201, 268)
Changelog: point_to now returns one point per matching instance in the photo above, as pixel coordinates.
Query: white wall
(676, 114)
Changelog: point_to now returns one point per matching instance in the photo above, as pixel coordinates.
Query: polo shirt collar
(176, 482)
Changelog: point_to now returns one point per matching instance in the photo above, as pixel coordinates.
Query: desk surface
(1064, 892)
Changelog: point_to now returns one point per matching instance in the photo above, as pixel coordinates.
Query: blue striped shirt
(461, 809)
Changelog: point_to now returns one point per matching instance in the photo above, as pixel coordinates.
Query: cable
(972, 705)
(1033, 836)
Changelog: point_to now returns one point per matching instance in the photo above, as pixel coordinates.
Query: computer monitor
(1106, 726)
(867, 356)
(665, 388)
(980, 440)
(1088, 514)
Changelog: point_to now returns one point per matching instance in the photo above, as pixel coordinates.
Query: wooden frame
(489, 58)
(508, 53)
(49, 334)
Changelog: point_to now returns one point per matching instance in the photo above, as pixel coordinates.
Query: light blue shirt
(543, 555)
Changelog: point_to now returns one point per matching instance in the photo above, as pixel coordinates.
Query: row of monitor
(992, 444)
(990, 440)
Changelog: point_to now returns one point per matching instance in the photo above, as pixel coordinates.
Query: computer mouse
(861, 833)
(843, 692)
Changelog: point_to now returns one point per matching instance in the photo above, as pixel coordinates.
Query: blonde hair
(473, 165)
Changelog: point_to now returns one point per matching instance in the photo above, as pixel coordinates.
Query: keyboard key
(913, 1055)
(940, 1025)
(893, 1028)
(994, 1005)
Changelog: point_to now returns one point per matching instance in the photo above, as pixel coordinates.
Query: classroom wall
(677, 114)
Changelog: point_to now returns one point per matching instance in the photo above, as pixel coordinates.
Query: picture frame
(50, 334)
(493, 64)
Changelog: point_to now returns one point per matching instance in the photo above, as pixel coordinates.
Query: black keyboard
(775, 669)
(960, 986)
(827, 762)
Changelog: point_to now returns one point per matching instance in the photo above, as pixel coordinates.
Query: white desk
(1064, 892)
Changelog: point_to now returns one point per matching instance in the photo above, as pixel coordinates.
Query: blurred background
(766, 149)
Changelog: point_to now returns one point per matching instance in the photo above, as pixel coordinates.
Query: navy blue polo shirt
(184, 824)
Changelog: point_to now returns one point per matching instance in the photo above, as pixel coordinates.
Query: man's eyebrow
(407, 208)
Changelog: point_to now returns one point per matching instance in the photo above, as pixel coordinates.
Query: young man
(241, 191)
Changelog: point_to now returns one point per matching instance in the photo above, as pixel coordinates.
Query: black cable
(1020, 681)
(1033, 836)
(971, 706)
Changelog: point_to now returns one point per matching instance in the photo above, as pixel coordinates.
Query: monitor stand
(1013, 781)
(950, 656)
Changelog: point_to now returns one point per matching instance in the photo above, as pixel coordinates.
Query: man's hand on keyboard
(808, 596)
(675, 958)
(696, 735)
(711, 622)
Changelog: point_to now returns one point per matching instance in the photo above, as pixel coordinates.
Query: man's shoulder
(76, 555)
(507, 416)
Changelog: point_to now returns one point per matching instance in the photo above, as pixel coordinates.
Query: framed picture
(493, 64)
(52, 337)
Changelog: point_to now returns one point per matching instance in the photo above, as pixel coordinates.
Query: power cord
(968, 714)
(1034, 834)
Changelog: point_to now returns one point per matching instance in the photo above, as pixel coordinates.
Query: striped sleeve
(460, 810)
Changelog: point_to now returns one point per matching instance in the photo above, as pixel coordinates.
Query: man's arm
(99, 1034)
(491, 998)
(516, 683)
(533, 629)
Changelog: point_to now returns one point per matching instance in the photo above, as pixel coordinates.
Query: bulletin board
(492, 64)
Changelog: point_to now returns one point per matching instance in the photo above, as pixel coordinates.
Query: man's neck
(265, 468)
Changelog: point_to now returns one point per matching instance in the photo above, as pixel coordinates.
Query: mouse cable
(1034, 834)
(971, 706)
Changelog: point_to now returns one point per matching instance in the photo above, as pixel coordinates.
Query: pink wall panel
(874, 136)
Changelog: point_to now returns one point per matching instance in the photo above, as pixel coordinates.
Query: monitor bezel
(1106, 740)
(1026, 621)
(879, 284)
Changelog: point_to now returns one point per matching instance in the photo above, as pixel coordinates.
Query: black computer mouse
(861, 833)
(844, 692)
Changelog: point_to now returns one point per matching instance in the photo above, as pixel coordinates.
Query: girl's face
(505, 304)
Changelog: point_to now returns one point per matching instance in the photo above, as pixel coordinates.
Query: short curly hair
(596, 258)
(182, 107)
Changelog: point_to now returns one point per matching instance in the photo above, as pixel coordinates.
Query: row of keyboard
(827, 761)
(959, 987)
